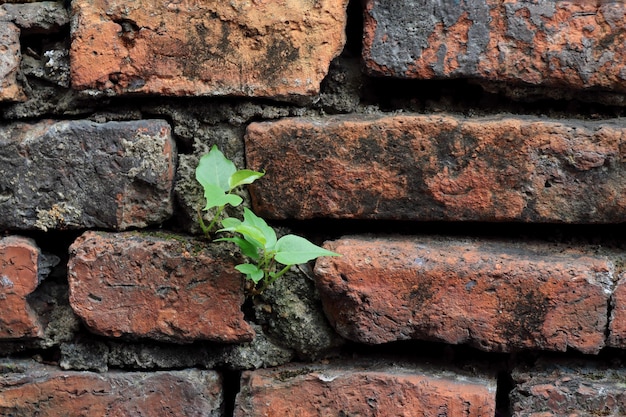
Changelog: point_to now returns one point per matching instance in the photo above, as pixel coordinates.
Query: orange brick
(28, 389)
(495, 295)
(139, 285)
(10, 56)
(278, 49)
(439, 167)
(363, 390)
(577, 44)
(19, 265)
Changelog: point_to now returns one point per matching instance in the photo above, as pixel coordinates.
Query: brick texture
(576, 44)
(40, 17)
(617, 325)
(10, 54)
(80, 174)
(19, 265)
(439, 167)
(172, 289)
(28, 389)
(495, 295)
(568, 388)
(357, 390)
(275, 49)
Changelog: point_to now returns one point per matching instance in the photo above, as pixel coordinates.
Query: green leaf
(247, 248)
(269, 235)
(251, 271)
(229, 223)
(215, 169)
(244, 176)
(250, 233)
(216, 197)
(292, 250)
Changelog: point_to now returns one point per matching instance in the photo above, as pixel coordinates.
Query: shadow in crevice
(231, 383)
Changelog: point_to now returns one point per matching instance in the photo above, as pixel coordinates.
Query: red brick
(272, 49)
(568, 388)
(140, 285)
(10, 55)
(578, 44)
(495, 295)
(617, 322)
(363, 390)
(439, 167)
(19, 265)
(37, 390)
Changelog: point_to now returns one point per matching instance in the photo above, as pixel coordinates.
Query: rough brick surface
(80, 174)
(363, 390)
(261, 49)
(577, 44)
(173, 288)
(28, 389)
(617, 324)
(40, 17)
(427, 167)
(568, 388)
(19, 265)
(495, 295)
(10, 55)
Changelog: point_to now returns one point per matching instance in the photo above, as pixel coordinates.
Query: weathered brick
(440, 167)
(617, 321)
(272, 49)
(28, 389)
(495, 295)
(39, 17)
(141, 285)
(363, 390)
(19, 266)
(568, 388)
(10, 54)
(578, 44)
(80, 174)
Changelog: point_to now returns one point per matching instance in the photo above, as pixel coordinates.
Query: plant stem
(280, 274)
(215, 219)
(205, 229)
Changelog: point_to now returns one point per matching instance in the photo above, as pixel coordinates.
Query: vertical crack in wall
(505, 385)
(232, 386)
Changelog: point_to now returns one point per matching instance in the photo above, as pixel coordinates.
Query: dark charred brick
(573, 45)
(81, 174)
(568, 388)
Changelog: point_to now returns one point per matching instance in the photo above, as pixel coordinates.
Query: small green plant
(219, 177)
(270, 257)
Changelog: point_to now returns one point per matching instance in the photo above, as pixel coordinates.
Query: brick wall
(466, 159)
